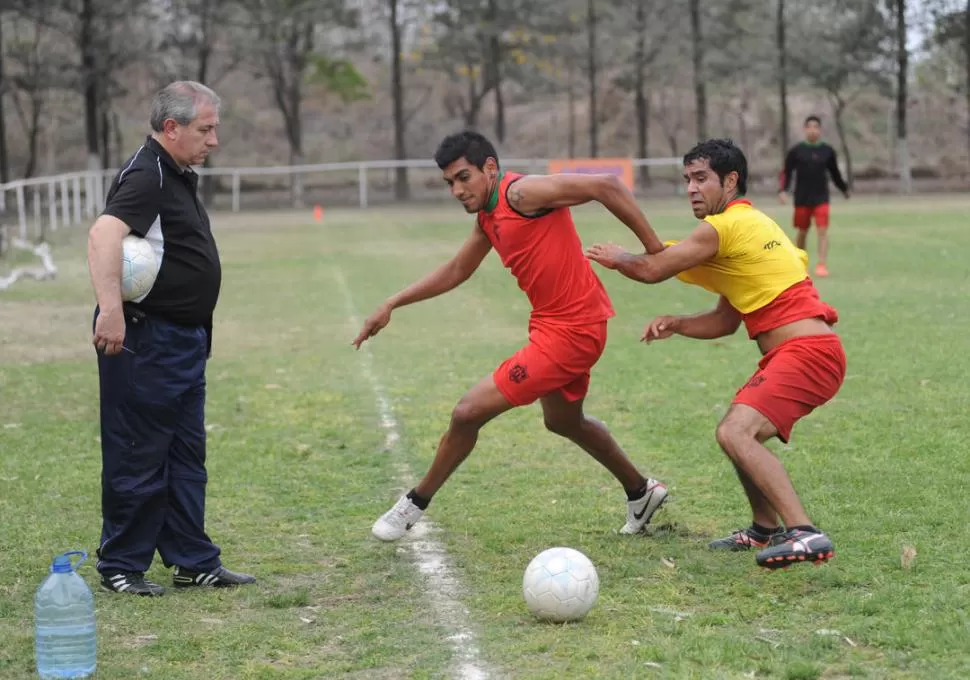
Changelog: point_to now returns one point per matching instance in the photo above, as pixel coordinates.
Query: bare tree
(286, 49)
(4, 159)
(782, 77)
(700, 87)
(902, 98)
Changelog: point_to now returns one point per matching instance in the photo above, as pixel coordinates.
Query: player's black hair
(724, 157)
(812, 118)
(468, 144)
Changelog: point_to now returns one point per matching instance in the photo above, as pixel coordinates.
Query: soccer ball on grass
(560, 584)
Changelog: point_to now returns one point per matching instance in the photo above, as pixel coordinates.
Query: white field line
(442, 587)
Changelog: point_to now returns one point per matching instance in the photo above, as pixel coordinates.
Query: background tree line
(329, 80)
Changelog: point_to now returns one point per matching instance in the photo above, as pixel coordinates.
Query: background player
(527, 220)
(811, 162)
(739, 253)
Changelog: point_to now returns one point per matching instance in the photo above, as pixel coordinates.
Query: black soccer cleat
(220, 577)
(797, 546)
(746, 539)
(131, 583)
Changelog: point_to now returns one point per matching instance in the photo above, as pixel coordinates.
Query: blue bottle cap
(62, 563)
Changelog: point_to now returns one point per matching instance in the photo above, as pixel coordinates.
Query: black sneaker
(220, 577)
(747, 539)
(130, 582)
(797, 546)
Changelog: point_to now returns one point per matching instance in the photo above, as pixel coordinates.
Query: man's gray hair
(180, 102)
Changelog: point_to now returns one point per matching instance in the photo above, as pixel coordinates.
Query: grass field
(299, 470)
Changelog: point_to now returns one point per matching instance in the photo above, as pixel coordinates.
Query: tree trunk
(782, 78)
(105, 132)
(33, 133)
(902, 77)
(4, 168)
(201, 75)
(839, 107)
(402, 189)
(639, 96)
(571, 106)
(591, 67)
(700, 91)
(90, 83)
(495, 69)
(966, 56)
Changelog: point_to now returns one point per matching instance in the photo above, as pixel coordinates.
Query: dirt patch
(32, 332)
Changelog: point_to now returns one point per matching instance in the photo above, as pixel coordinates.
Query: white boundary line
(442, 587)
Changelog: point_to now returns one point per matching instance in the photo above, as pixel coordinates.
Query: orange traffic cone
(318, 213)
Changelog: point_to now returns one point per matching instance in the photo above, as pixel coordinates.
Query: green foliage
(338, 76)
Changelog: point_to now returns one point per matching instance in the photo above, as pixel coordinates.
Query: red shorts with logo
(805, 213)
(795, 378)
(556, 359)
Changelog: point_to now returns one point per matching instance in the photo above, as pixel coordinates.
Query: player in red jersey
(526, 218)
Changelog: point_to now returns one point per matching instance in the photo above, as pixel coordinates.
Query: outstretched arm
(535, 193)
(720, 321)
(448, 276)
(833, 168)
(700, 246)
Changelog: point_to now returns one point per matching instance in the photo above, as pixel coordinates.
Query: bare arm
(721, 321)
(104, 260)
(104, 265)
(534, 193)
(700, 246)
(448, 276)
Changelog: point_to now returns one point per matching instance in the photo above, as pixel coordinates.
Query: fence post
(235, 191)
(65, 203)
(77, 199)
(38, 222)
(362, 182)
(22, 211)
(52, 205)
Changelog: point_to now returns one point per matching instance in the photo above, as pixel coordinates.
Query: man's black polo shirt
(158, 201)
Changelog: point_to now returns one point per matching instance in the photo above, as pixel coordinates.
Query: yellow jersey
(755, 260)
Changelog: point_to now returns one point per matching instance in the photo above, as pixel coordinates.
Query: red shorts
(556, 359)
(805, 213)
(795, 378)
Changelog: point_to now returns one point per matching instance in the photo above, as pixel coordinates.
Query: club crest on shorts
(518, 373)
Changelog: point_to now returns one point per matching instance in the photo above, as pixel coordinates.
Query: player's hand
(782, 197)
(660, 328)
(373, 325)
(847, 195)
(608, 254)
(109, 331)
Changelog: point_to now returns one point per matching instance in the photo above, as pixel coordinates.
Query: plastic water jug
(65, 638)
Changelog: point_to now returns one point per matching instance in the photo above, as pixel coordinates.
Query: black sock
(637, 494)
(762, 530)
(808, 528)
(422, 503)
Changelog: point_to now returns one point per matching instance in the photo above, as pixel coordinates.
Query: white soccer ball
(139, 267)
(560, 584)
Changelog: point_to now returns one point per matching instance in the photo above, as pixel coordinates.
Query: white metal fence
(32, 208)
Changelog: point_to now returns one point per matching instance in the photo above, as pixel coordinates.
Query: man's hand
(607, 255)
(109, 331)
(660, 328)
(373, 325)
(847, 195)
(782, 197)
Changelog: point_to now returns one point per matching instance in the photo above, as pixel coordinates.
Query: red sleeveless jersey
(545, 255)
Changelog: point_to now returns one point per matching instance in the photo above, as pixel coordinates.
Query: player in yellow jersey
(742, 255)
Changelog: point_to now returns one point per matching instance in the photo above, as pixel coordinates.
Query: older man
(152, 354)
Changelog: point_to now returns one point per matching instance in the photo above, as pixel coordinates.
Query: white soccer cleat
(397, 521)
(641, 511)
